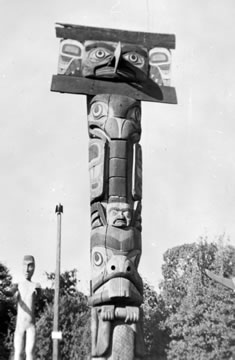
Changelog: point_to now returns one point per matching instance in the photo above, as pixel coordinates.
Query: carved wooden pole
(115, 164)
(117, 70)
(56, 335)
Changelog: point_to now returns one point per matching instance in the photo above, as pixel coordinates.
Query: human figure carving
(25, 293)
(119, 214)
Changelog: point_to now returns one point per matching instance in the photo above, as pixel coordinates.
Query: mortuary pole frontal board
(116, 70)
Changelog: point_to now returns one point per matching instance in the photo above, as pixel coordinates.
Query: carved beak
(117, 55)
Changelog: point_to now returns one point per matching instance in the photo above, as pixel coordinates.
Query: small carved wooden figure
(25, 293)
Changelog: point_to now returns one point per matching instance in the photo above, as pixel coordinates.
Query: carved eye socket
(135, 58)
(137, 114)
(134, 114)
(97, 110)
(127, 214)
(98, 258)
(99, 54)
(113, 212)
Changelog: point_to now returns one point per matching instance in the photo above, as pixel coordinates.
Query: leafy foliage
(7, 314)
(191, 318)
(201, 313)
(155, 336)
(74, 315)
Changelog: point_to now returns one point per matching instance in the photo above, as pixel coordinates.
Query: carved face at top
(28, 267)
(114, 60)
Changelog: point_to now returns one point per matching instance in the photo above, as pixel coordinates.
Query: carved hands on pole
(128, 313)
(117, 333)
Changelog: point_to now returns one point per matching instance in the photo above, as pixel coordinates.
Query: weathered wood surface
(82, 33)
(85, 86)
(116, 286)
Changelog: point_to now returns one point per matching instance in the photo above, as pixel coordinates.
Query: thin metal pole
(55, 335)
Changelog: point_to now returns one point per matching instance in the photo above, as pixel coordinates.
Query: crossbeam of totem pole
(116, 70)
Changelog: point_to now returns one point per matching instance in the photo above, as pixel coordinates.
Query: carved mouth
(111, 73)
(117, 288)
(119, 223)
(137, 282)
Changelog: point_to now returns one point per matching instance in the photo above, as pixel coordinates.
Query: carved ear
(101, 213)
(136, 219)
(98, 217)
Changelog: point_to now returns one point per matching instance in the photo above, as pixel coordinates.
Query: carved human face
(28, 268)
(119, 214)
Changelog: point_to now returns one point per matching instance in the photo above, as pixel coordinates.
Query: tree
(74, 315)
(7, 314)
(201, 313)
(156, 338)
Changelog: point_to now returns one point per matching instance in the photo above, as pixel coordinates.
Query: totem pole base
(116, 333)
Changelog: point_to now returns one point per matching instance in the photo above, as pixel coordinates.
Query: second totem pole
(117, 70)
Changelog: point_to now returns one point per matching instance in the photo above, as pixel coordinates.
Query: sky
(188, 148)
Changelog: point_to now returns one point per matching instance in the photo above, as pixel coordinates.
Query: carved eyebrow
(100, 44)
(130, 48)
(119, 209)
(28, 263)
(114, 208)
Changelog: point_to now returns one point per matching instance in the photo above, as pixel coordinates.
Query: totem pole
(117, 70)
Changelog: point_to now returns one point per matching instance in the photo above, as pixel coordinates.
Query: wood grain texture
(118, 186)
(85, 86)
(146, 39)
(118, 149)
(117, 167)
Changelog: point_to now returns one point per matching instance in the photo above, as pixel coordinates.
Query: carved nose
(121, 215)
(120, 263)
(114, 127)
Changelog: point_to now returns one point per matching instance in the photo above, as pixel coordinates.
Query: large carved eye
(97, 258)
(99, 54)
(98, 110)
(135, 58)
(113, 212)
